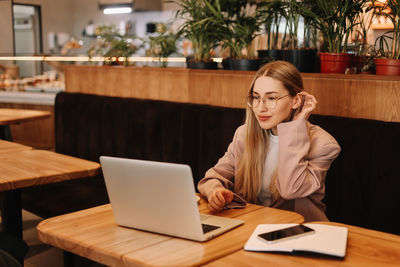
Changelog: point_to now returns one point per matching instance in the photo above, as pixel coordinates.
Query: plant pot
(303, 59)
(209, 65)
(227, 64)
(363, 64)
(271, 54)
(335, 62)
(247, 64)
(385, 66)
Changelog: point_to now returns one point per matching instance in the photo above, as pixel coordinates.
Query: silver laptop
(159, 197)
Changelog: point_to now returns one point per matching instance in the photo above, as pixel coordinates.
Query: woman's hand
(310, 102)
(219, 198)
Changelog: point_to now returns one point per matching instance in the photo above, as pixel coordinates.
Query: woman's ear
(297, 101)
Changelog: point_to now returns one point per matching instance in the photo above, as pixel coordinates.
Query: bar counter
(354, 95)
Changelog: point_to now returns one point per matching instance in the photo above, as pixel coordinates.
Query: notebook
(327, 239)
(159, 197)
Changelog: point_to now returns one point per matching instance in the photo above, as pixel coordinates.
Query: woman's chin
(266, 125)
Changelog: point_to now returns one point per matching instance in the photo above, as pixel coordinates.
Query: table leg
(5, 132)
(12, 213)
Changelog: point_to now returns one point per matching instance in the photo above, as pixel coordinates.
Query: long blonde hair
(248, 179)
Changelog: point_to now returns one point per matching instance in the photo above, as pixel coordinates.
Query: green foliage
(240, 22)
(162, 46)
(388, 44)
(271, 16)
(111, 44)
(334, 19)
(200, 25)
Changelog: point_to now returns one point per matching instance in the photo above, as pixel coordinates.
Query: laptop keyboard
(208, 228)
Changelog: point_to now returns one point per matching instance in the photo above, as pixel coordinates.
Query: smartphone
(286, 233)
(297, 110)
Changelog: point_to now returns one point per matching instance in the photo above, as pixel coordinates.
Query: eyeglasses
(269, 102)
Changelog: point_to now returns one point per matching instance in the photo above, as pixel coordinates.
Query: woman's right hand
(219, 198)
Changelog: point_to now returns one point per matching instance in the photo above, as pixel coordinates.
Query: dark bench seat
(362, 183)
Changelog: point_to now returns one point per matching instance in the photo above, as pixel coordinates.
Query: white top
(270, 165)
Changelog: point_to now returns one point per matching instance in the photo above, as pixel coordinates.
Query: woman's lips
(263, 118)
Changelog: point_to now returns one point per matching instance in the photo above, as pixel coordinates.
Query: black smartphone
(297, 110)
(286, 233)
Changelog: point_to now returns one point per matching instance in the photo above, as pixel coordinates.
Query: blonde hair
(248, 179)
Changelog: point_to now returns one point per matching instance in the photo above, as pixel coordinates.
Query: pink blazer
(306, 152)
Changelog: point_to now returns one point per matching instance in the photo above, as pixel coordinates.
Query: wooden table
(7, 147)
(13, 116)
(26, 168)
(364, 248)
(93, 234)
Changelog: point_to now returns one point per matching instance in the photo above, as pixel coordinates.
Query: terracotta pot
(385, 66)
(335, 62)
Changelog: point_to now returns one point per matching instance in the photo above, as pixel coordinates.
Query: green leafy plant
(360, 32)
(271, 16)
(334, 19)
(388, 44)
(238, 23)
(162, 46)
(199, 26)
(291, 13)
(112, 45)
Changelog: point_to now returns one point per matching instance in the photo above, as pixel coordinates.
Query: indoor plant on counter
(201, 28)
(364, 54)
(388, 56)
(162, 44)
(301, 54)
(271, 18)
(112, 46)
(240, 21)
(334, 19)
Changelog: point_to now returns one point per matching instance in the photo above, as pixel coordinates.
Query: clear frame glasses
(269, 101)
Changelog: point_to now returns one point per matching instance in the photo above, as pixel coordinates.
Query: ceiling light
(116, 6)
(117, 10)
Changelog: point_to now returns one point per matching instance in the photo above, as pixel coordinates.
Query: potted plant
(239, 24)
(162, 44)
(112, 46)
(200, 27)
(334, 19)
(271, 18)
(302, 55)
(387, 45)
(363, 59)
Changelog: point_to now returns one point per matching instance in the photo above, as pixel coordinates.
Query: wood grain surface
(38, 133)
(11, 116)
(7, 147)
(354, 95)
(35, 167)
(364, 248)
(93, 234)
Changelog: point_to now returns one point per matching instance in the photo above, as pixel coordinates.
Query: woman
(276, 158)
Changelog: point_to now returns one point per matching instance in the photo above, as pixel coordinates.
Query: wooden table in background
(7, 147)
(26, 168)
(13, 116)
(93, 234)
(364, 248)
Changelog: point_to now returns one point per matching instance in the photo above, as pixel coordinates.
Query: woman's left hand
(310, 102)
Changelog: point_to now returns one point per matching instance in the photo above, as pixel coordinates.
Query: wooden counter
(356, 96)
